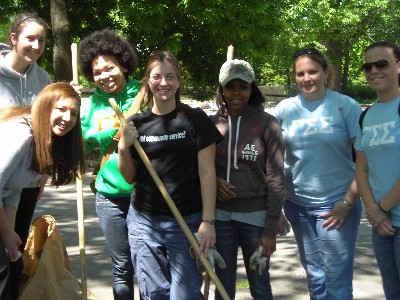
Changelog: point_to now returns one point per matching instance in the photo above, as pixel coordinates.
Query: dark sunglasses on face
(379, 64)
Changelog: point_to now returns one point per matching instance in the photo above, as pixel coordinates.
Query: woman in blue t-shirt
(323, 207)
(378, 163)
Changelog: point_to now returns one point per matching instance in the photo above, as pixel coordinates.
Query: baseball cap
(236, 69)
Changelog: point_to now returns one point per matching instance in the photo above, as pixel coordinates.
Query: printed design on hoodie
(249, 152)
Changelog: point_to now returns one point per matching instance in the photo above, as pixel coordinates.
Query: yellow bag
(47, 270)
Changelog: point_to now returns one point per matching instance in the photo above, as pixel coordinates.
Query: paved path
(287, 276)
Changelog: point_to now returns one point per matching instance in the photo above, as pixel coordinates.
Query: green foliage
(337, 27)
(199, 32)
(362, 93)
(265, 33)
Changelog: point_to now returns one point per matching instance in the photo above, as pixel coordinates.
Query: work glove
(213, 256)
(257, 262)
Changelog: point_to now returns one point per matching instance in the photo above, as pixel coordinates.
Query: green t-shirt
(99, 126)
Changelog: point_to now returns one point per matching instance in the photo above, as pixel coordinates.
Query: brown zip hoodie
(251, 158)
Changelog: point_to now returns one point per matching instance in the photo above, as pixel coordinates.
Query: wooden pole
(79, 192)
(229, 54)
(193, 242)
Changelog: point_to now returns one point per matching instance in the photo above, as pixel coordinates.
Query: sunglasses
(379, 64)
(305, 51)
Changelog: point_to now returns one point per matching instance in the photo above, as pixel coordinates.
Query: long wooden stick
(172, 206)
(229, 56)
(229, 53)
(79, 192)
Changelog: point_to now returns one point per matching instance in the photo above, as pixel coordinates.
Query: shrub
(362, 93)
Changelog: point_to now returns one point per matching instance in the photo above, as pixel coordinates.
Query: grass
(243, 284)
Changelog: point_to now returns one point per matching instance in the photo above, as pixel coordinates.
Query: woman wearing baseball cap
(250, 176)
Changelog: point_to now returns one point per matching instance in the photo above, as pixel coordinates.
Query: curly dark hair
(106, 42)
(256, 98)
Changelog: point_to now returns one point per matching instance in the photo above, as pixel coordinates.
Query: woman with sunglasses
(378, 163)
(323, 207)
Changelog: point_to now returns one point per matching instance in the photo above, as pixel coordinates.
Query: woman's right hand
(129, 134)
(224, 190)
(385, 228)
(12, 242)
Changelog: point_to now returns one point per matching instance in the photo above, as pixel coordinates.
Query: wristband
(382, 210)
(212, 221)
(347, 203)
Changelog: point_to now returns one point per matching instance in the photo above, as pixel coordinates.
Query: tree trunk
(62, 41)
(336, 58)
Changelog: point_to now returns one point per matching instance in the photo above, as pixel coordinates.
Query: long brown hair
(145, 96)
(60, 157)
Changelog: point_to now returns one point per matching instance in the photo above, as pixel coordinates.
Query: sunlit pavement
(287, 276)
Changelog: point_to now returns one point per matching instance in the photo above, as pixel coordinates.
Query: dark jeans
(4, 274)
(231, 235)
(23, 222)
(112, 214)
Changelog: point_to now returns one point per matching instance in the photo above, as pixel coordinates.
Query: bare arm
(126, 164)
(364, 187)
(208, 184)
(374, 215)
(10, 238)
(392, 198)
(337, 216)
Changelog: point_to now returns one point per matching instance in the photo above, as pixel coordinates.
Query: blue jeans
(160, 254)
(231, 235)
(387, 252)
(112, 214)
(326, 255)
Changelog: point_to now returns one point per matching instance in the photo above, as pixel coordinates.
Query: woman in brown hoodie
(250, 174)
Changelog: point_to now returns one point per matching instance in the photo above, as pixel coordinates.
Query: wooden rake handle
(172, 206)
(79, 191)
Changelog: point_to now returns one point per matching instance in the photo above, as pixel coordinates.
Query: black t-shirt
(171, 143)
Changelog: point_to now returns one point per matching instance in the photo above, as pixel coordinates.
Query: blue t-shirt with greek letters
(317, 137)
(380, 142)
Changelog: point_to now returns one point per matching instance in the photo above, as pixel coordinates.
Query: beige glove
(213, 256)
(257, 262)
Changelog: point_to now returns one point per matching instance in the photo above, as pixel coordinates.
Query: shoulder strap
(341, 110)
(360, 120)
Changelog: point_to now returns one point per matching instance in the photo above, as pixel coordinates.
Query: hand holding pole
(172, 206)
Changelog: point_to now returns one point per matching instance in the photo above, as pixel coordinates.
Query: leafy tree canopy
(266, 33)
